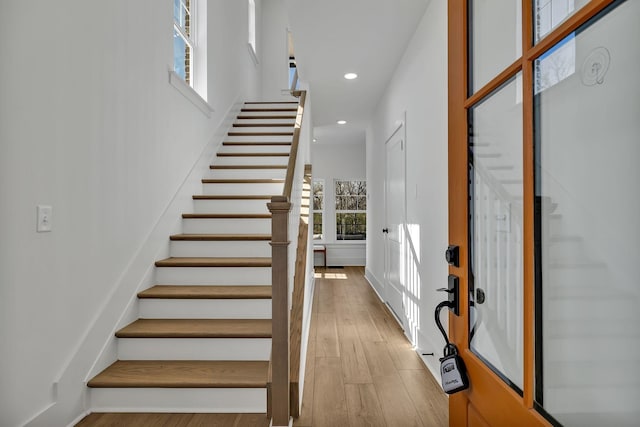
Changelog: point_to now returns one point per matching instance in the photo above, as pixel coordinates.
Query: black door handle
(385, 230)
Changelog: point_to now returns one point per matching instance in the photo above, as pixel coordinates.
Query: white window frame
(252, 30)
(187, 37)
(348, 211)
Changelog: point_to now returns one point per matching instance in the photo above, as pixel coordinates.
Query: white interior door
(394, 225)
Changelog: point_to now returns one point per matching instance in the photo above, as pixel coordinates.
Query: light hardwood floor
(361, 370)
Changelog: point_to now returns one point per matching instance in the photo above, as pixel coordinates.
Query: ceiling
(334, 37)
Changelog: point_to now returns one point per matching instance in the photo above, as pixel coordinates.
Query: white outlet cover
(45, 218)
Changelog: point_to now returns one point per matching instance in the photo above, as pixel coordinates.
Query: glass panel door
(587, 127)
(496, 220)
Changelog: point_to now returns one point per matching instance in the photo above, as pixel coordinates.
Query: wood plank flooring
(361, 370)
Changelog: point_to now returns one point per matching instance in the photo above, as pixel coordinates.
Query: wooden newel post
(280, 208)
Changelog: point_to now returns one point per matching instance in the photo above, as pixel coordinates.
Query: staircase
(202, 342)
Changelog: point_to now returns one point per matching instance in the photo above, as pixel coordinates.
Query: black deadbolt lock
(451, 255)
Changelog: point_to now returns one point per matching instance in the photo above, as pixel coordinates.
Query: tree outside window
(351, 210)
(318, 209)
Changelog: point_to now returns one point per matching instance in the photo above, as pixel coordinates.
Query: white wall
(419, 88)
(275, 51)
(90, 125)
(334, 162)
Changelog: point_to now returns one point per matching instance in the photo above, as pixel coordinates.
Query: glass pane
(496, 188)
(181, 16)
(548, 14)
(317, 226)
(179, 54)
(351, 226)
(587, 175)
(496, 38)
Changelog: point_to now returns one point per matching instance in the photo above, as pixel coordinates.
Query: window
(351, 210)
(183, 36)
(252, 25)
(318, 209)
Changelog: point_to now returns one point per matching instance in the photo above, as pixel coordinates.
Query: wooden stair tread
(169, 419)
(266, 110)
(243, 181)
(274, 117)
(197, 328)
(231, 197)
(263, 125)
(260, 134)
(220, 237)
(213, 262)
(253, 154)
(247, 167)
(270, 102)
(183, 374)
(255, 143)
(206, 292)
(225, 216)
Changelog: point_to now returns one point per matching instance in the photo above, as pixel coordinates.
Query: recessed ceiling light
(342, 122)
(350, 76)
(315, 140)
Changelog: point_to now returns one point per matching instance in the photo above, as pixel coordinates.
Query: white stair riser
(194, 348)
(220, 225)
(181, 248)
(266, 148)
(214, 275)
(595, 400)
(246, 173)
(567, 250)
(231, 206)
(155, 308)
(265, 121)
(252, 160)
(585, 374)
(266, 113)
(262, 138)
(588, 348)
(605, 309)
(271, 105)
(259, 129)
(243, 189)
(576, 276)
(205, 400)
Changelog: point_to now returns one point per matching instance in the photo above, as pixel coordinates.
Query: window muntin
(351, 210)
(318, 209)
(183, 40)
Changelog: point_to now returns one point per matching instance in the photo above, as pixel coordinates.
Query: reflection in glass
(588, 228)
(496, 38)
(495, 172)
(548, 14)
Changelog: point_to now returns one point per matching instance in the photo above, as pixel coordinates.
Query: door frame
(398, 131)
(496, 402)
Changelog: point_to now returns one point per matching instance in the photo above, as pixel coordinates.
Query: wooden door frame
(500, 403)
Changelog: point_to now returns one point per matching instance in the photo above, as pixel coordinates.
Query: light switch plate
(45, 218)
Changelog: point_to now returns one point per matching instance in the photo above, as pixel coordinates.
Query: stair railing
(285, 214)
